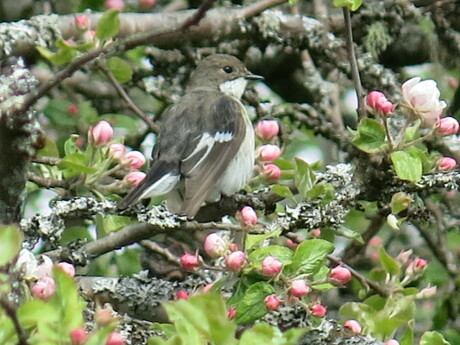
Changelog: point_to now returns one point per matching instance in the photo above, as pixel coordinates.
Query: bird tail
(162, 177)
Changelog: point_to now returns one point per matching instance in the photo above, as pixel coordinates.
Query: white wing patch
(161, 187)
(207, 142)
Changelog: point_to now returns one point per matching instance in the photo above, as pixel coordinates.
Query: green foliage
(408, 165)
(203, 320)
(370, 136)
(10, 243)
(309, 257)
(353, 5)
(108, 25)
(120, 69)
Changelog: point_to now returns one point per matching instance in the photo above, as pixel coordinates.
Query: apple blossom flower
(353, 325)
(78, 336)
(339, 275)
(392, 342)
(27, 263)
(235, 261)
(271, 266)
(44, 288)
(134, 159)
(182, 294)
(134, 177)
(82, 21)
(117, 150)
(299, 288)
(318, 310)
(247, 216)
(101, 133)
(422, 99)
(378, 102)
(114, 5)
(67, 268)
(267, 129)
(190, 262)
(447, 126)
(45, 269)
(447, 164)
(272, 302)
(115, 338)
(268, 153)
(215, 245)
(271, 172)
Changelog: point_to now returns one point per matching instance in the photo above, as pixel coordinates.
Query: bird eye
(228, 69)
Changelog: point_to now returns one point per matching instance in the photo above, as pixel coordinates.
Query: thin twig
(47, 182)
(11, 312)
(354, 64)
(46, 160)
(155, 247)
(121, 91)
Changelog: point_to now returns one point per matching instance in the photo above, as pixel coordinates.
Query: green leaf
(408, 166)
(283, 254)
(108, 25)
(304, 177)
(408, 336)
(120, 69)
(389, 264)
(309, 257)
(75, 164)
(252, 306)
(70, 145)
(64, 54)
(253, 240)
(36, 312)
(112, 222)
(10, 243)
(399, 202)
(353, 5)
(370, 136)
(282, 191)
(433, 338)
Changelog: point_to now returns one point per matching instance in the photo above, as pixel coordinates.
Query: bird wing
(211, 150)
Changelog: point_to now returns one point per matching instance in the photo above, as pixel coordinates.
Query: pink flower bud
(447, 126)
(291, 244)
(101, 133)
(44, 288)
(82, 21)
(378, 102)
(215, 245)
(235, 261)
(73, 109)
(147, 3)
(208, 287)
(135, 177)
(268, 153)
(447, 164)
(231, 313)
(67, 268)
(318, 310)
(271, 266)
(114, 5)
(115, 338)
(272, 302)
(190, 262)
(353, 325)
(233, 247)
(339, 275)
(392, 342)
(134, 159)
(403, 256)
(78, 336)
(299, 288)
(316, 233)
(104, 317)
(376, 242)
(247, 216)
(117, 150)
(267, 129)
(420, 263)
(271, 172)
(182, 294)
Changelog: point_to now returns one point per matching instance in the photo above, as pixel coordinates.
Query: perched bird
(205, 146)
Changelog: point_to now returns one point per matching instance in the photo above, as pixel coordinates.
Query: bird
(205, 145)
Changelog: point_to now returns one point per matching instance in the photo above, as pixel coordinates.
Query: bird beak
(254, 77)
